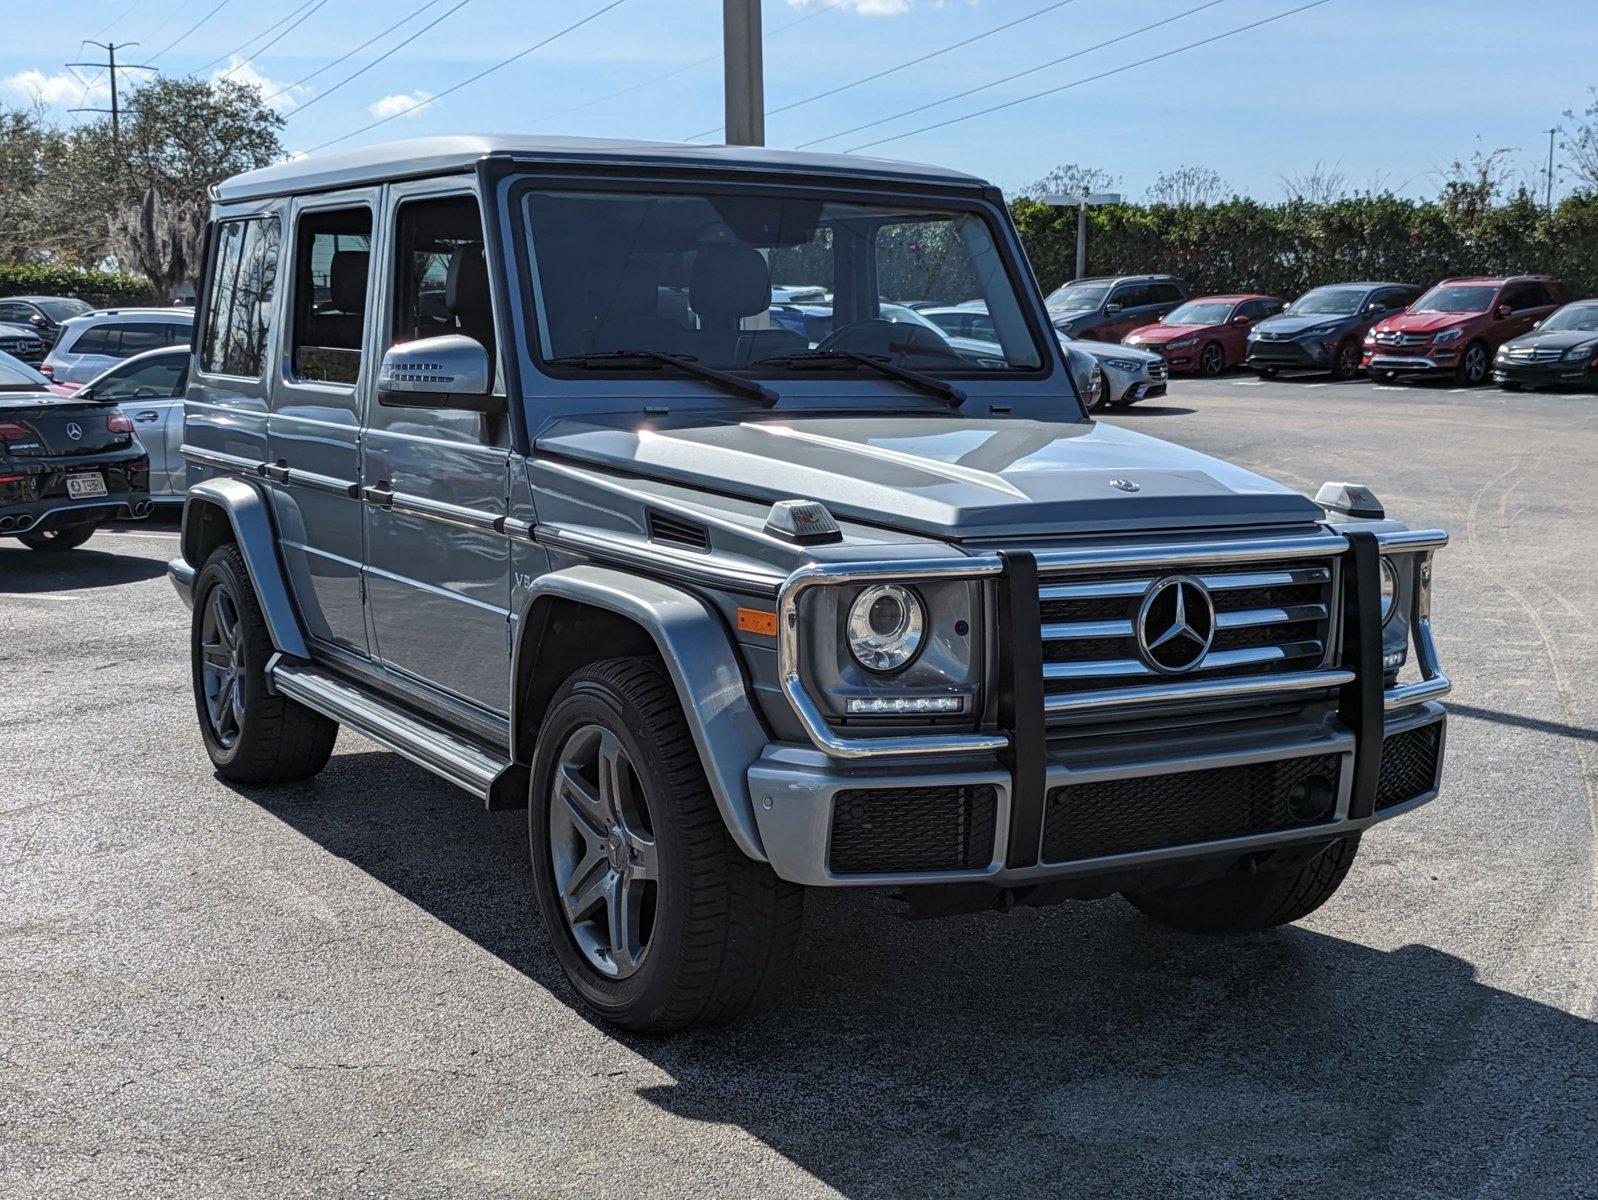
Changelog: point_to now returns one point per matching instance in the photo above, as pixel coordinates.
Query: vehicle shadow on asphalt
(1149, 410)
(1079, 1050)
(29, 572)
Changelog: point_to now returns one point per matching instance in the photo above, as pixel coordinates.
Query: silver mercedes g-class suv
(506, 454)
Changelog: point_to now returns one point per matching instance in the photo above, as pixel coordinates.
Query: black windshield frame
(953, 201)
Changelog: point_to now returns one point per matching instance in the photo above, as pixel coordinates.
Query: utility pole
(1082, 203)
(742, 65)
(1549, 203)
(110, 65)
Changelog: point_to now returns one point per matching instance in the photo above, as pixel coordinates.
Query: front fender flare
(251, 520)
(704, 668)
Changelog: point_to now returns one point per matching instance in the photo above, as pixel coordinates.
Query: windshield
(1199, 312)
(18, 376)
(60, 310)
(1327, 301)
(691, 273)
(1078, 297)
(1583, 317)
(1456, 298)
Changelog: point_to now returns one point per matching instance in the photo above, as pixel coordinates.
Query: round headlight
(1389, 589)
(885, 627)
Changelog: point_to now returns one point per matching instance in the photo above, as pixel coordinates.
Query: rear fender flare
(250, 520)
(699, 657)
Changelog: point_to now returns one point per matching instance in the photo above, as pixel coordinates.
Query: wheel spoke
(625, 911)
(582, 801)
(213, 654)
(613, 771)
(645, 864)
(587, 889)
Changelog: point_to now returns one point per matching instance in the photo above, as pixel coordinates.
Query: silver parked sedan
(1128, 374)
(149, 388)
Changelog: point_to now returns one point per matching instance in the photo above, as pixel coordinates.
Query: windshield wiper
(930, 384)
(621, 360)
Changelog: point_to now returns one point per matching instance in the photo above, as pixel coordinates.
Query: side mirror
(1111, 309)
(38, 321)
(1503, 311)
(438, 372)
(1241, 320)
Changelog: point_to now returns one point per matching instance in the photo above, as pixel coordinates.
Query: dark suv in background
(1108, 307)
(42, 314)
(1323, 328)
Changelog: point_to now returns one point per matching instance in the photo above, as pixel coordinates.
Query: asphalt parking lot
(338, 988)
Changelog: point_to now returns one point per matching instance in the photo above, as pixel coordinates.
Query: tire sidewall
(1464, 365)
(221, 570)
(588, 701)
(1343, 373)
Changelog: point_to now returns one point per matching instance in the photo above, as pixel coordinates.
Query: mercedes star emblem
(1175, 624)
(74, 430)
(1125, 485)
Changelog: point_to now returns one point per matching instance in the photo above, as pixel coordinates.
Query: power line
(1142, 62)
(185, 34)
(118, 19)
(520, 54)
(709, 58)
(844, 87)
(110, 65)
(239, 49)
(389, 53)
(1053, 62)
(303, 80)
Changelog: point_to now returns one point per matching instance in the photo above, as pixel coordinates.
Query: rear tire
(621, 820)
(1101, 396)
(68, 537)
(251, 736)
(1250, 903)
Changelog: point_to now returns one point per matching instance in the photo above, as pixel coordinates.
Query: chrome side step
(489, 776)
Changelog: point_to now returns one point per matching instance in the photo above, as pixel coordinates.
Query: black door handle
(277, 471)
(379, 493)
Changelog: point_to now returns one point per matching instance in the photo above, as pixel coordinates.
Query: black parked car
(1561, 351)
(42, 314)
(66, 465)
(1323, 329)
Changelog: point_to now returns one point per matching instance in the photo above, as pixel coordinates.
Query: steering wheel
(887, 338)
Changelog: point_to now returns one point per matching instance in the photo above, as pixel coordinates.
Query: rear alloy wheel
(1345, 365)
(1212, 360)
(68, 537)
(1473, 365)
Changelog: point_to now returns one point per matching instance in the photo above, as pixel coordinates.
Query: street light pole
(1549, 202)
(743, 71)
(1082, 203)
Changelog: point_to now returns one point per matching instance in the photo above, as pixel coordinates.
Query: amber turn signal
(754, 620)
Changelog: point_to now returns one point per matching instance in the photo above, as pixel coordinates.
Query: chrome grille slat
(1216, 660)
(1064, 630)
(1217, 582)
(1248, 617)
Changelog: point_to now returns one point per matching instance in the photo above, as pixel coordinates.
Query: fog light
(893, 706)
(1394, 659)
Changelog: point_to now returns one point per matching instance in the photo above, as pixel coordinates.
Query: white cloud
(274, 92)
(866, 8)
(400, 104)
(61, 88)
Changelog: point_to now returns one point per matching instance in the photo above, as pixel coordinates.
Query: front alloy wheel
(221, 665)
(1213, 361)
(602, 847)
(1473, 366)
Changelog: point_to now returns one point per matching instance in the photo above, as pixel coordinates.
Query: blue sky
(1384, 91)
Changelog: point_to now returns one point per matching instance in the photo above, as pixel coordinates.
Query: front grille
(1270, 617)
(1159, 372)
(1124, 816)
(1388, 337)
(1409, 765)
(912, 829)
(1534, 354)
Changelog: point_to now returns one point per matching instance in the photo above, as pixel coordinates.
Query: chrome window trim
(220, 460)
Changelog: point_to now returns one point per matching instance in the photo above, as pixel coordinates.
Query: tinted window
(238, 312)
(331, 261)
(1132, 295)
(162, 377)
(96, 339)
(441, 277)
(15, 313)
(60, 310)
(1166, 293)
(1536, 296)
(1390, 298)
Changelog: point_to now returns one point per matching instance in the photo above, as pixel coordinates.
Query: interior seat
(726, 284)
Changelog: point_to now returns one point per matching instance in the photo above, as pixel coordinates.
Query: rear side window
(96, 339)
(239, 308)
(147, 381)
(1165, 293)
(332, 262)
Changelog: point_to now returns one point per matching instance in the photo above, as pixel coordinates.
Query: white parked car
(149, 388)
(90, 344)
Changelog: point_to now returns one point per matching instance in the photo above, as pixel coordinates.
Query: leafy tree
(1071, 179)
(1185, 187)
(1581, 143)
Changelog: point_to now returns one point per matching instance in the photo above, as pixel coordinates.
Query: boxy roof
(418, 157)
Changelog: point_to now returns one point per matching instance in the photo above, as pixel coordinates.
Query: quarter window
(239, 308)
(331, 268)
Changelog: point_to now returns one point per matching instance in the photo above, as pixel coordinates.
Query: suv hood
(949, 477)
(1293, 324)
(1427, 322)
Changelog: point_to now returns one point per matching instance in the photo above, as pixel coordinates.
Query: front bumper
(1553, 374)
(1291, 759)
(1290, 355)
(1412, 364)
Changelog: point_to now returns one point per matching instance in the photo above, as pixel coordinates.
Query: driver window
(440, 273)
(147, 381)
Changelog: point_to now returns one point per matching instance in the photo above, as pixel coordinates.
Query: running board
(489, 776)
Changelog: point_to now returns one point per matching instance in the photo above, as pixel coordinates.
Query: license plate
(81, 487)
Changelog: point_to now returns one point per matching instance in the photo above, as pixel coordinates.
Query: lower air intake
(1409, 765)
(1124, 816)
(912, 829)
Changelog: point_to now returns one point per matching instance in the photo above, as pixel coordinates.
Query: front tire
(251, 736)
(1473, 365)
(1101, 395)
(1250, 903)
(1212, 360)
(659, 921)
(69, 537)
(1345, 364)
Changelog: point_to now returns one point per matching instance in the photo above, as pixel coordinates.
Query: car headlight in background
(1448, 335)
(1184, 344)
(1370, 337)
(1123, 364)
(1320, 331)
(1577, 353)
(885, 627)
(1389, 589)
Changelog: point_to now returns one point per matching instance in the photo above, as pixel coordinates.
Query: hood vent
(678, 531)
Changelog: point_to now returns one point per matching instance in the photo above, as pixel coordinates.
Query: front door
(313, 450)
(150, 392)
(438, 574)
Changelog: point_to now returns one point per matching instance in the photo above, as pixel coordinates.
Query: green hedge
(1284, 249)
(100, 288)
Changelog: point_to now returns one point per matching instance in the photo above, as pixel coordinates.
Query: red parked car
(1205, 335)
(1456, 327)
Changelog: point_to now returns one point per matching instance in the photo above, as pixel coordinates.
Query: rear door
(314, 429)
(438, 572)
